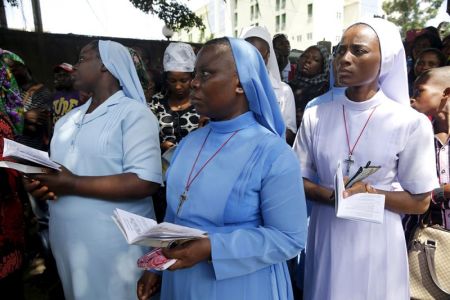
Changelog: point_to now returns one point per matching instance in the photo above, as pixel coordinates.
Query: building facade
(305, 22)
(216, 18)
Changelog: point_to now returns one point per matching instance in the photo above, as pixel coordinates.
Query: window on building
(190, 37)
(277, 5)
(299, 38)
(236, 33)
(257, 10)
(283, 4)
(235, 3)
(252, 12)
(338, 15)
(202, 36)
(310, 10)
(235, 18)
(283, 21)
(277, 23)
(309, 36)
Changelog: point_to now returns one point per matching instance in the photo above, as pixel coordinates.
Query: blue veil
(117, 60)
(257, 86)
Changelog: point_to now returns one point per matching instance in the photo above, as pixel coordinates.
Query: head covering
(141, 70)
(12, 56)
(321, 78)
(179, 57)
(256, 83)
(65, 67)
(117, 60)
(393, 78)
(263, 33)
(10, 101)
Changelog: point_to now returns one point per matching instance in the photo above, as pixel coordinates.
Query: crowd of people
(241, 143)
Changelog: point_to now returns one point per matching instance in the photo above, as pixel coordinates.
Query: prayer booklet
(143, 231)
(359, 207)
(36, 159)
(21, 167)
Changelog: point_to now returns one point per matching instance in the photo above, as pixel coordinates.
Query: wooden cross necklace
(349, 161)
(184, 195)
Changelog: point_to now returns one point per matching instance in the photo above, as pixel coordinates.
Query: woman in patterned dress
(172, 107)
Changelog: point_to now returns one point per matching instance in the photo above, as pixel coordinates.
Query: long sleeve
(283, 233)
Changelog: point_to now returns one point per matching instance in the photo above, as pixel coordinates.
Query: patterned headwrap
(10, 102)
(322, 77)
(12, 56)
(141, 70)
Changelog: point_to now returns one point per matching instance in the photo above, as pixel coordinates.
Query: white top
(286, 100)
(360, 260)
(285, 72)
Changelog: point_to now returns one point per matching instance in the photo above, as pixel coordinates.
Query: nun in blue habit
(109, 148)
(237, 179)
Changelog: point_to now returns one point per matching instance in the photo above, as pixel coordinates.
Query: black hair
(278, 36)
(432, 30)
(94, 46)
(265, 43)
(441, 57)
(435, 41)
(218, 41)
(445, 38)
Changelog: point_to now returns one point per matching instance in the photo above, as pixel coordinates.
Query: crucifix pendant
(349, 161)
(183, 198)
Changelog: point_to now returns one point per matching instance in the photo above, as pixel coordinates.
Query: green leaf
(411, 14)
(176, 15)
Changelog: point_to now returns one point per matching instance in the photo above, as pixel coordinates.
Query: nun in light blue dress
(249, 197)
(120, 136)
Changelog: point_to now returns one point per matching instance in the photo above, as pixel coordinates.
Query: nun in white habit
(371, 121)
(283, 91)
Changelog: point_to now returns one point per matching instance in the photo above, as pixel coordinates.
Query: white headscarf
(117, 60)
(393, 77)
(179, 57)
(263, 33)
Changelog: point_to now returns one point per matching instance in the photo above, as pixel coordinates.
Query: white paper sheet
(361, 207)
(14, 149)
(136, 228)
